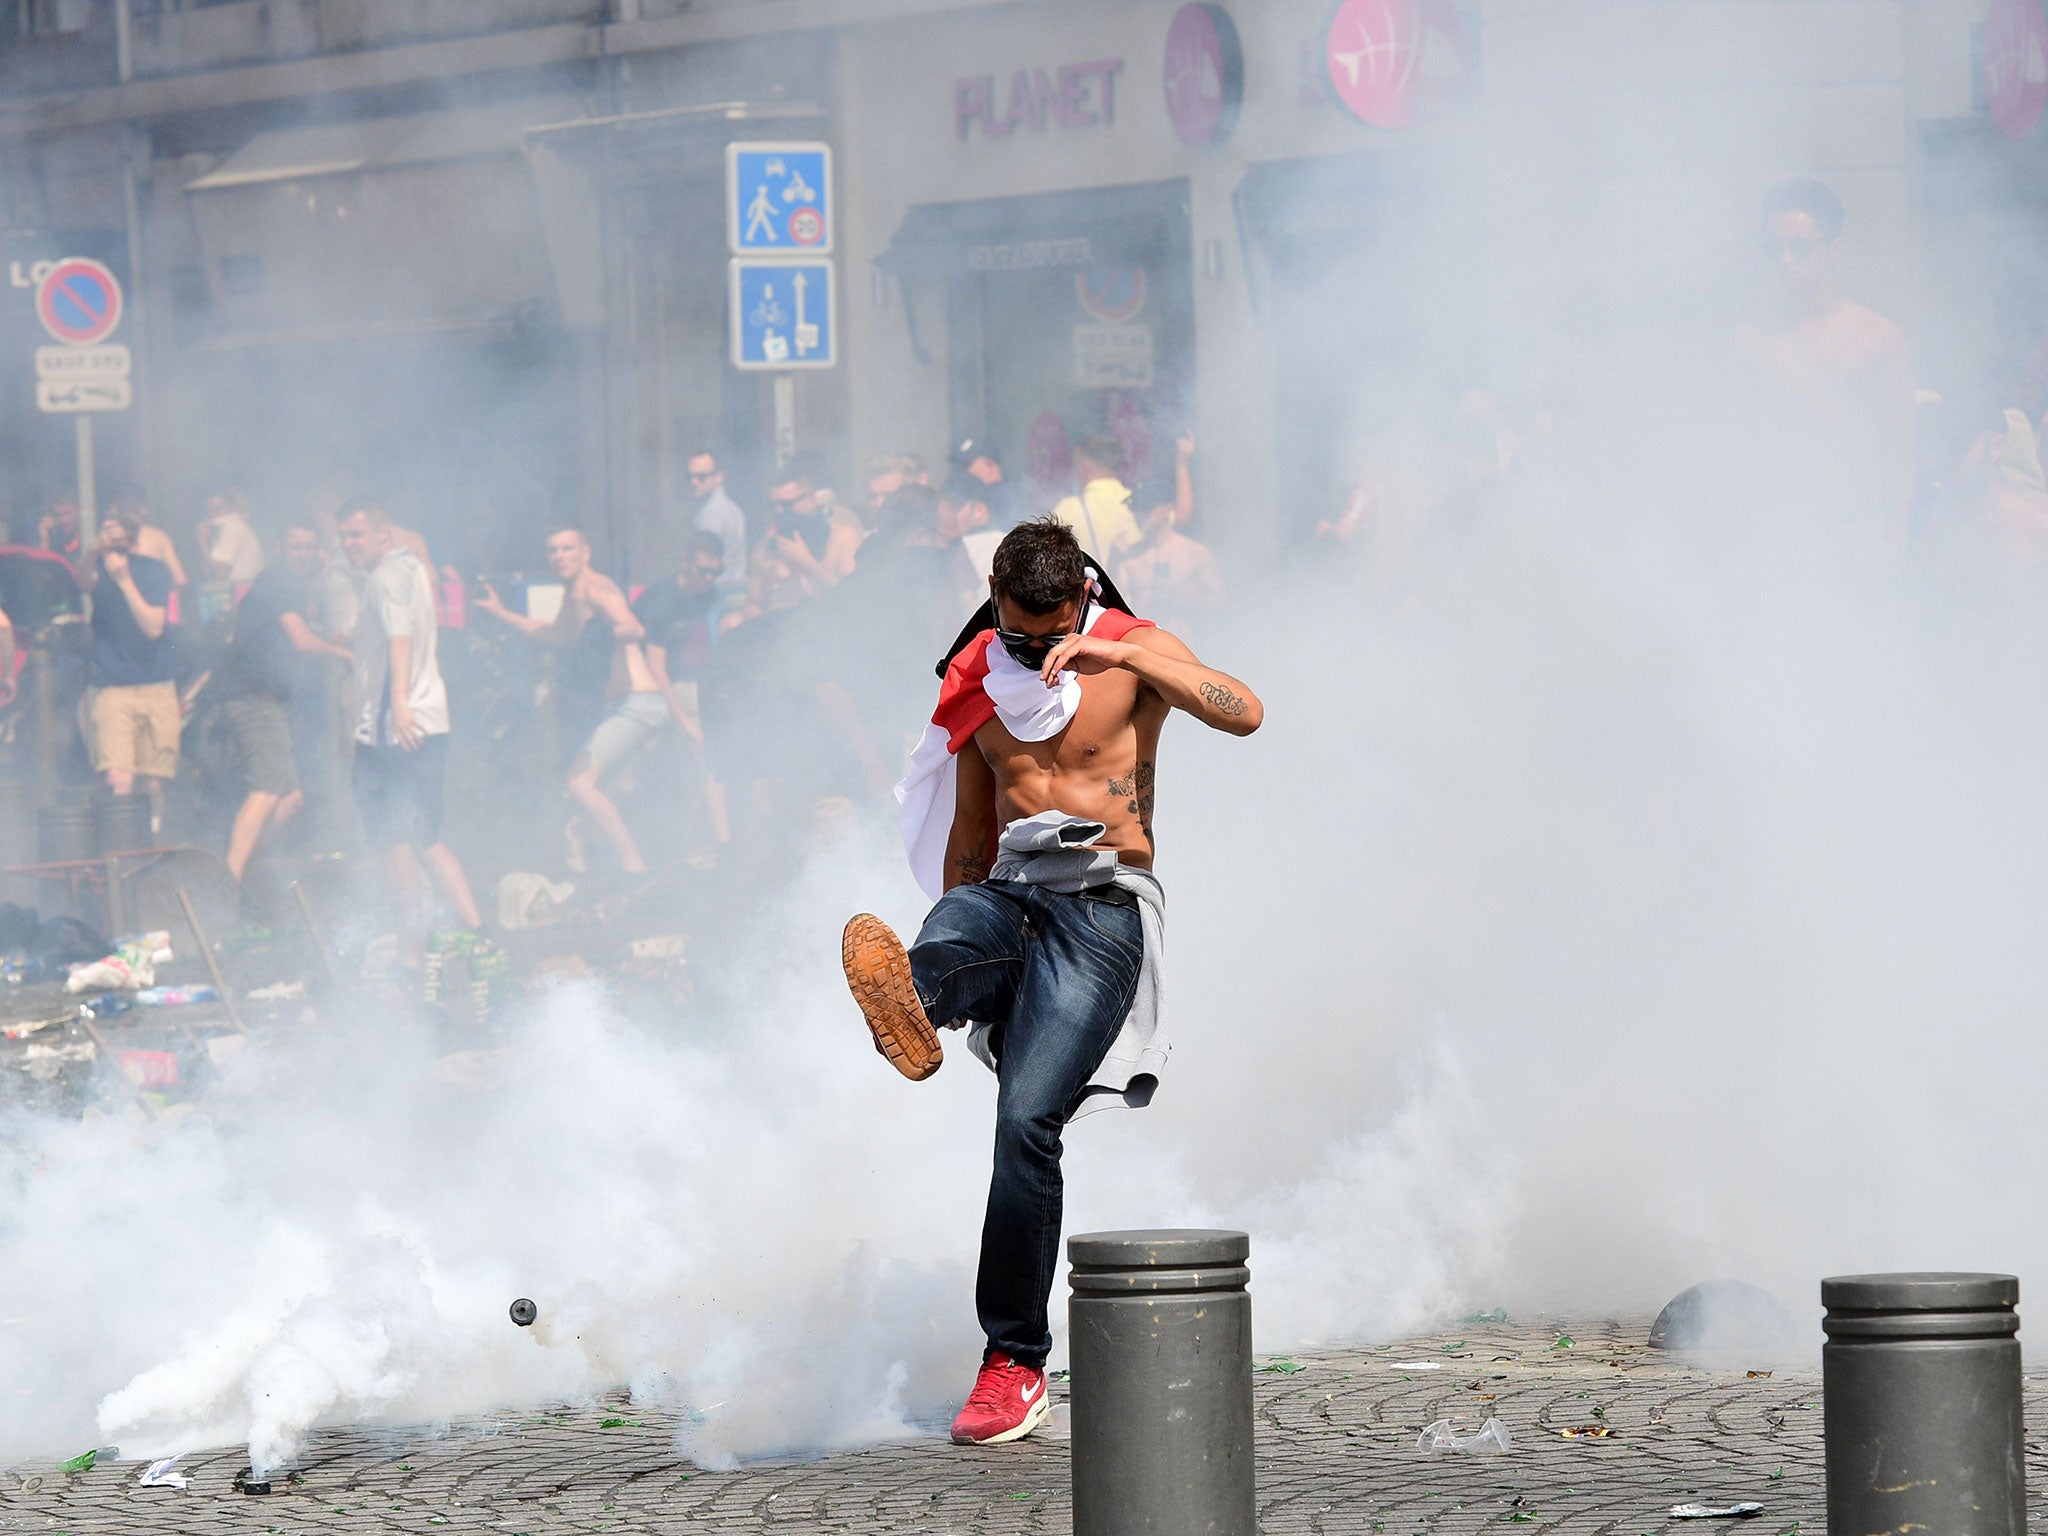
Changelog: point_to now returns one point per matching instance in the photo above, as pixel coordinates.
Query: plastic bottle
(1491, 1440)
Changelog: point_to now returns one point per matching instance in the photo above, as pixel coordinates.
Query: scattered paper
(158, 1474)
(1415, 1365)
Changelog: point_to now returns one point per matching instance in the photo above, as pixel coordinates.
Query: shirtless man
(1046, 930)
(1837, 376)
(639, 707)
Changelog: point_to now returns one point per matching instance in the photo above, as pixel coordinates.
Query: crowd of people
(783, 667)
(307, 670)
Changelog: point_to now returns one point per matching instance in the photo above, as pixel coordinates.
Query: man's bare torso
(581, 605)
(1100, 767)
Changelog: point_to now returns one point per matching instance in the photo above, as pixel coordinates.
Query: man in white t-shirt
(233, 552)
(401, 728)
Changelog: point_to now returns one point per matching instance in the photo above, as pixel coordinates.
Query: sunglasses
(1031, 650)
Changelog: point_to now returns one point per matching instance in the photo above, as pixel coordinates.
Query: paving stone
(1337, 1453)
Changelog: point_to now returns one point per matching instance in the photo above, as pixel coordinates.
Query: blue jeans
(1055, 976)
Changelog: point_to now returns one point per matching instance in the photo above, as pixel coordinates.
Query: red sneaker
(1008, 1402)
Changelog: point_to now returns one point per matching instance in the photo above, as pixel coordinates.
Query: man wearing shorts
(135, 717)
(639, 708)
(253, 684)
(402, 726)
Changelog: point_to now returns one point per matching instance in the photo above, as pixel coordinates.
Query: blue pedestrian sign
(778, 199)
(784, 315)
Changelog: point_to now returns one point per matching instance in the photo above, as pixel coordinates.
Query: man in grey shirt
(718, 513)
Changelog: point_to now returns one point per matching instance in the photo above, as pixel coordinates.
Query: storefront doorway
(1064, 315)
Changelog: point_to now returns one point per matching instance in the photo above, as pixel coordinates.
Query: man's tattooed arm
(970, 869)
(1221, 699)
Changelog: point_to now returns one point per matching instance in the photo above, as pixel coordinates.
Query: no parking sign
(79, 301)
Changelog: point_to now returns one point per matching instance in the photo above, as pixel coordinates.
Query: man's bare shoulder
(1164, 641)
(1876, 338)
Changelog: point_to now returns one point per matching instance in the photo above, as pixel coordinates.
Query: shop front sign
(1071, 96)
(1113, 356)
(2015, 55)
(1204, 75)
(1396, 63)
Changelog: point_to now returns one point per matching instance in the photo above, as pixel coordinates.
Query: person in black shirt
(135, 715)
(253, 684)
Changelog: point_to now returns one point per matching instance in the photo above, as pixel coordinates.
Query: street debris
(280, 992)
(132, 964)
(82, 1462)
(175, 997)
(1415, 1365)
(1282, 1365)
(1497, 1315)
(1714, 1512)
(527, 900)
(524, 1312)
(1587, 1432)
(1491, 1439)
(150, 1069)
(158, 1474)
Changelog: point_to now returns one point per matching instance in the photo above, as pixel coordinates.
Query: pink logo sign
(2015, 51)
(1204, 75)
(1395, 63)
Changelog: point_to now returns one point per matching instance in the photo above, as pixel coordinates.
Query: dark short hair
(1040, 565)
(1101, 448)
(960, 488)
(555, 528)
(807, 468)
(1815, 199)
(1159, 491)
(705, 542)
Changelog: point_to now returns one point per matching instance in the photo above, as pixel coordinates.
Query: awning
(1106, 226)
(381, 143)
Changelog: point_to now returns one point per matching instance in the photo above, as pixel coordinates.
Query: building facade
(473, 257)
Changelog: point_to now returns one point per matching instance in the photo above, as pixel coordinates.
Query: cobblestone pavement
(1337, 1452)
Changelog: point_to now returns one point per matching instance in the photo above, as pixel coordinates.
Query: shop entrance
(1065, 315)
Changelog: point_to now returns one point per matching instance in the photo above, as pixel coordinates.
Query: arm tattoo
(1221, 699)
(972, 868)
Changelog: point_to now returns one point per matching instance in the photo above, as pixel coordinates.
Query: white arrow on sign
(806, 334)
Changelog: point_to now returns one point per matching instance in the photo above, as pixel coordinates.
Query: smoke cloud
(1638, 879)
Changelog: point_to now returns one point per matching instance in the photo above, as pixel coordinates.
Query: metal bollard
(1921, 1400)
(1160, 1336)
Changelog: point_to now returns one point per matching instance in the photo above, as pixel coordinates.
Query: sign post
(782, 288)
(78, 301)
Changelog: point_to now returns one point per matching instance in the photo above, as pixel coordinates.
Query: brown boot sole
(878, 975)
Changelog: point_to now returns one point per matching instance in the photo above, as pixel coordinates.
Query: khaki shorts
(135, 730)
